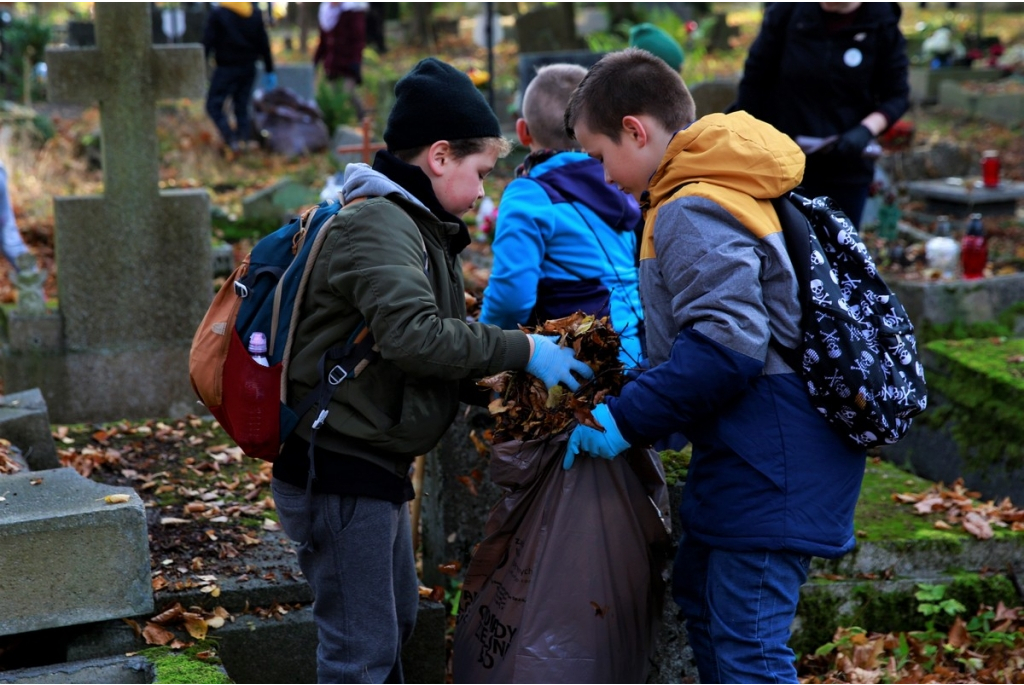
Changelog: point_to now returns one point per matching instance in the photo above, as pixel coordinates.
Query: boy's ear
(438, 156)
(523, 131)
(634, 129)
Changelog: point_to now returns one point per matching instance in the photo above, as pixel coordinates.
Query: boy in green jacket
(392, 258)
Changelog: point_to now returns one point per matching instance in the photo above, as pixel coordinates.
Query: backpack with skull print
(858, 356)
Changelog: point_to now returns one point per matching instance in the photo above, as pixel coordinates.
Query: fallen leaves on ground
(960, 507)
(526, 410)
(206, 503)
(988, 648)
(7, 463)
(162, 629)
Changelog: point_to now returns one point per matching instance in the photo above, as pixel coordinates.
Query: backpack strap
(796, 230)
(335, 365)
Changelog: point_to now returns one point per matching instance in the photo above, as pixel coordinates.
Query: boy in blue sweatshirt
(770, 484)
(564, 240)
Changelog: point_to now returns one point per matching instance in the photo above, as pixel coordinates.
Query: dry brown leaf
(169, 615)
(977, 525)
(156, 635)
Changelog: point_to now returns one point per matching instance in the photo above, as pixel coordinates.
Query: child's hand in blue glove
(606, 445)
(553, 364)
(270, 81)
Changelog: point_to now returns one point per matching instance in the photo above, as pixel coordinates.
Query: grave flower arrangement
(526, 410)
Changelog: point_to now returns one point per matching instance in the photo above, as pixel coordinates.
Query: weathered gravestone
(135, 264)
(548, 28)
(711, 97)
(69, 556)
(297, 77)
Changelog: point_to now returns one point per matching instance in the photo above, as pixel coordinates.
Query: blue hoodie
(565, 233)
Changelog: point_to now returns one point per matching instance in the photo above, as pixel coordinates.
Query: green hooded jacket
(387, 259)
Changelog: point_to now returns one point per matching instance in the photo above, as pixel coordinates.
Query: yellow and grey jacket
(768, 472)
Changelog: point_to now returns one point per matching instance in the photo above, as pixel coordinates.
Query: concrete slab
(277, 650)
(117, 669)
(943, 302)
(25, 422)
(959, 197)
(69, 557)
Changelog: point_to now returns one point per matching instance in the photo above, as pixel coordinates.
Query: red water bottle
(974, 249)
(990, 168)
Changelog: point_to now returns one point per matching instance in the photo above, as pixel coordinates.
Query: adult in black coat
(237, 38)
(819, 70)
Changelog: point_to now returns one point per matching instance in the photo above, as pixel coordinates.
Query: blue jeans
(356, 554)
(739, 607)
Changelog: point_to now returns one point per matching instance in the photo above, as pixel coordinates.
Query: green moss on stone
(878, 518)
(984, 383)
(973, 590)
(184, 667)
(1003, 326)
(826, 606)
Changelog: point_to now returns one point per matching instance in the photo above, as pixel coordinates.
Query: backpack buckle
(320, 418)
(241, 290)
(337, 375)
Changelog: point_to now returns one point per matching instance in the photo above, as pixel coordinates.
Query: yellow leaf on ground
(196, 626)
(117, 499)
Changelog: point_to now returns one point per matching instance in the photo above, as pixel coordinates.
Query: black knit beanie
(435, 101)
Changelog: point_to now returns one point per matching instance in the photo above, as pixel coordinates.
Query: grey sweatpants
(356, 554)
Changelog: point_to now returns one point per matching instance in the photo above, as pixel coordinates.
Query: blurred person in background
(832, 76)
(236, 36)
(340, 50)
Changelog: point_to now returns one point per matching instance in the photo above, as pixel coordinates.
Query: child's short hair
(627, 83)
(461, 148)
(544, 104)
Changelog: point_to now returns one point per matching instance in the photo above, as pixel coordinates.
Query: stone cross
(134, 264)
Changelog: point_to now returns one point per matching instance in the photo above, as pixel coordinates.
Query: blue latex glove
(270, 81)
(552, 364)
(607, 445)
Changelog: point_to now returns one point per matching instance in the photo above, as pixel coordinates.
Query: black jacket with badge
(808, 80)
(372, 266)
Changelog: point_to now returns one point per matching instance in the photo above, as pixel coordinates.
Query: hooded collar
(242, 9)
(731, 151)
(390, 175)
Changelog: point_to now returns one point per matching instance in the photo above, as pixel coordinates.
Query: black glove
(853, 142)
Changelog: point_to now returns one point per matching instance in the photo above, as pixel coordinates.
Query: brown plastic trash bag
(289, 124)
(568, 583)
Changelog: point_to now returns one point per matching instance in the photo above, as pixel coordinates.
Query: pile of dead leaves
(196, 621)
(525, 410)
(207, 504)
(959, 507)
(989, 648)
